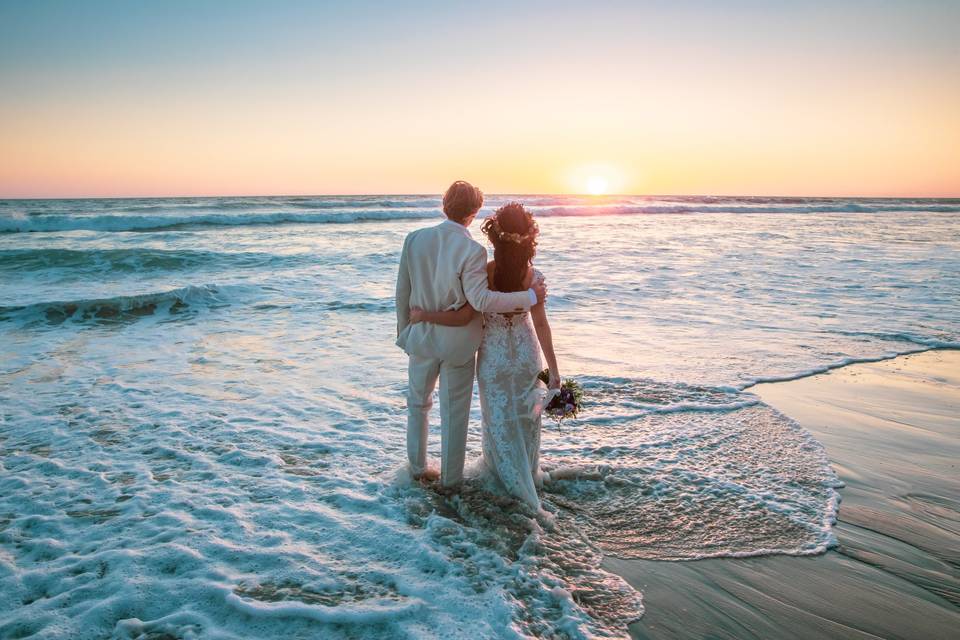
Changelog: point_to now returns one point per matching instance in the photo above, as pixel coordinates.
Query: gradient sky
(218, 98)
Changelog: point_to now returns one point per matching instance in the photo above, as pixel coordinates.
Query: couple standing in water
(458, 315)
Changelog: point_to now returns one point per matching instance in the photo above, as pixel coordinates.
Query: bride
(508, 363)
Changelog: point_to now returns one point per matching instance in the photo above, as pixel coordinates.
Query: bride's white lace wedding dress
(511, 399)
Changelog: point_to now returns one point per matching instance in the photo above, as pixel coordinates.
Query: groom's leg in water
(421, 381)
(456, 391)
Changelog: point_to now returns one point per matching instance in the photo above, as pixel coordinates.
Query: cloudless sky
(201, 97)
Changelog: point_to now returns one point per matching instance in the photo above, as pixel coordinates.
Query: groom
(441, 268)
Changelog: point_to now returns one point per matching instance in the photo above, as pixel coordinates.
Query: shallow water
(202, 415)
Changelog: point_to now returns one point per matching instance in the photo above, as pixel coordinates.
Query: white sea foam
(710, 481)
(201, 425)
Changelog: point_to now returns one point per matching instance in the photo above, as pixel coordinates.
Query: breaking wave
(118, 309)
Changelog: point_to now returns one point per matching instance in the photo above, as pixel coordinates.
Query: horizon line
(440, 195)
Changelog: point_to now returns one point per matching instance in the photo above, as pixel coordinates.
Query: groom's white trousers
(456, 390)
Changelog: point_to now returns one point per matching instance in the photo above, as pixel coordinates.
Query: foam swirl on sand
(675, 472)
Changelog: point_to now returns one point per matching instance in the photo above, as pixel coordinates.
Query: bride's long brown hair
(513, 233)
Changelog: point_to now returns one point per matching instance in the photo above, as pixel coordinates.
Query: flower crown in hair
(508, 236)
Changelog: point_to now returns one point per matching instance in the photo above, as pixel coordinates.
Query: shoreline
(852, 362)
(890, 428)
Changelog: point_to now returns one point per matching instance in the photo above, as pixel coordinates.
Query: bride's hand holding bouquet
(567, 398)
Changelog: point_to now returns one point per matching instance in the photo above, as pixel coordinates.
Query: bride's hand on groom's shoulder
(540, 289)
(416, 315)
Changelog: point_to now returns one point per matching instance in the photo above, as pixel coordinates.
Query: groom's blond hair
(461, 201)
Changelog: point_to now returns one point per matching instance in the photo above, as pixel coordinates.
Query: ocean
(202, 417)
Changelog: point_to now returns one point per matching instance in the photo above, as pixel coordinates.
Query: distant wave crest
(128, 222)
(160, 214)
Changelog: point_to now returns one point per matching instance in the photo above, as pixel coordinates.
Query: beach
(891, 430)
(203, 422)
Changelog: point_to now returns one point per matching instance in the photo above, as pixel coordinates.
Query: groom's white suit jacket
(443, 268)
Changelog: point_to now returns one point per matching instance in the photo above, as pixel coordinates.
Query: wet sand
(892, 431)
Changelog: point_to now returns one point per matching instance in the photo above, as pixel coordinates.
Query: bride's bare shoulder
(490, 267)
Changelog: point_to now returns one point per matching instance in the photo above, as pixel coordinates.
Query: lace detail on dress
(511, 398)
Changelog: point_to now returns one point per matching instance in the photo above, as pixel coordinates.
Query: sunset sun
(597, 185)
(600, 178)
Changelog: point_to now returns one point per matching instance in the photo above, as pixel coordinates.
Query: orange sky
(111, 100)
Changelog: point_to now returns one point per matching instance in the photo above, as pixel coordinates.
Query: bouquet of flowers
(567, 402)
